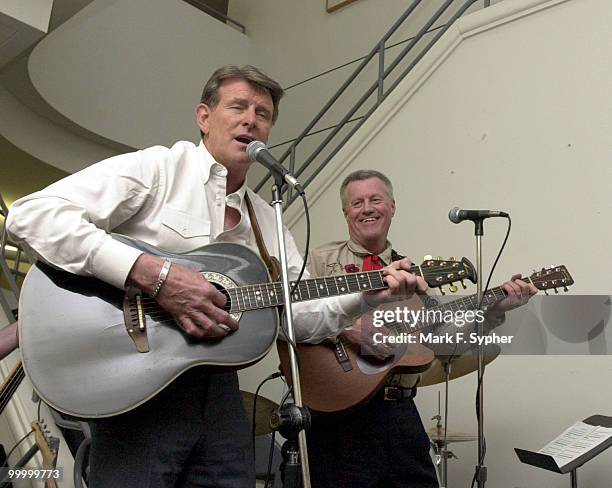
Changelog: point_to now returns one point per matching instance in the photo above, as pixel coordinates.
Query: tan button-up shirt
(340, 257)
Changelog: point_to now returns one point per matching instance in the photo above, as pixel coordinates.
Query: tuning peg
(452, 258)
(442, 291)
(565, 288)
(556, 291)
(440, 258)
(463, 285)
(427, 257)
(453, 289)
(545, 292)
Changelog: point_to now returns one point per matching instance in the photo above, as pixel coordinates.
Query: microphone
(257, 151)
(457, 215)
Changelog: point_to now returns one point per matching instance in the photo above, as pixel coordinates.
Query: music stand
(545, 461)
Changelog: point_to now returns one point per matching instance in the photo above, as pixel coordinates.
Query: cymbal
(437, 435)
(265, 407)
(460, 365)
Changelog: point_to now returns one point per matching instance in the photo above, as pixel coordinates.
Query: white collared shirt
(171, 198)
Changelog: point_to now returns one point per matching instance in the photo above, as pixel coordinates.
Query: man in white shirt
(193, 433)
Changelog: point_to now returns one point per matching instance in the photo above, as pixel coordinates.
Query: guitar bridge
(134, 317)
(341, 355)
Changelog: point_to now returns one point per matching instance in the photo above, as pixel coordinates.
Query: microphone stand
(481, 470)
(292, 419)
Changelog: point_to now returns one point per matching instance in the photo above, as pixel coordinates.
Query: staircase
(367, 87)
(14, 263)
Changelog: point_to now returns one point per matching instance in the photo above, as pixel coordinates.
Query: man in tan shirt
(381, 444)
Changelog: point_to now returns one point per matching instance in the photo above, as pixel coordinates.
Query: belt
(397, 393)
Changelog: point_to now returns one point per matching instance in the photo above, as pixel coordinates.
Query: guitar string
(255, 304)
(449, 305)
(312, 285)
(258, 301)
(354, 278)
(10, 391)
(11, 386)
(489, 297)
(249, 293)
(491, 294)
(446, 307)
(390, 326)
(9, 394)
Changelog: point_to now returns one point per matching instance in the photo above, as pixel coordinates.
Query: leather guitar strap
(271, 262)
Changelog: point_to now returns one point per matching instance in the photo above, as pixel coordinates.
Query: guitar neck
(10, 385)
(470, 302)
(266, 295)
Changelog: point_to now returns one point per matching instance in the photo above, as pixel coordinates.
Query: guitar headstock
(553, 277)
(48, 445)
(440, 271)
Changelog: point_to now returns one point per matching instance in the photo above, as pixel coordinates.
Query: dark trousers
(192, 434)
(381, 445)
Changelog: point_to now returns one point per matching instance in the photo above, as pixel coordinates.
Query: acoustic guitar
(336, 378)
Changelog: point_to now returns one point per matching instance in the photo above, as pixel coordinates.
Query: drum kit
(442, 370)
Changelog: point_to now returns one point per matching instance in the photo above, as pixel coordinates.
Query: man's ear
(393, 208)
(202, 117)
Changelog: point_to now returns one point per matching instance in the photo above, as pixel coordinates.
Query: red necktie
(372, 262)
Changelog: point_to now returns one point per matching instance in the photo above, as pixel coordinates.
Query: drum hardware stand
(294, 418)
(441, 447)
(289, 421)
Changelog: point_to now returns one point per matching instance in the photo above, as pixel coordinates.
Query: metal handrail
(9, 273)
(377, 86)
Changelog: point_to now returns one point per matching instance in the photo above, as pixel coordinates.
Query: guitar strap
(271, 262)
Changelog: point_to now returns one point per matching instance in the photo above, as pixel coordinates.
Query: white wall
(41, 138)
(510, 111)
(133, 71)
(35, 13)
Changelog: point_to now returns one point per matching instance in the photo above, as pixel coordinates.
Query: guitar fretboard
(10, 386)
(469, 302)
(542, 281)
(251, 297)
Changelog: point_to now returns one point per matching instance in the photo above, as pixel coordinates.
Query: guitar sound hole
(228, 304)
(223, 284)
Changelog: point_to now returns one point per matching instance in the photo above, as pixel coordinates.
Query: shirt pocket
(181, 232)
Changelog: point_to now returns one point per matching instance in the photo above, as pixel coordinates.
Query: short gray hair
(248, 73)
(364, 174)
